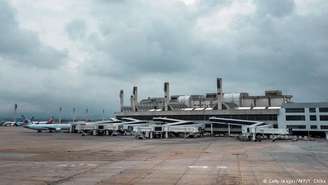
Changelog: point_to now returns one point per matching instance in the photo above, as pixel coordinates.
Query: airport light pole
(15, 112)
(74, 110)
(60, 114)
(86, 114)
(103, 114)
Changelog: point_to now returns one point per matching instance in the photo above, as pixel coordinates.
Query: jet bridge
(163, 127)
(123, 126)
(250, 129)
(92, 128)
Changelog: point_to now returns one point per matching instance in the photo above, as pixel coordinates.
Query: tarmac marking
(81, 164)
(62, 165)
(92, 165)
(201, 167)
(221, 167)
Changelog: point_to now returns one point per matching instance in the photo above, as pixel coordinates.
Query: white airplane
(48, 127)
(12, 123)
(20, 122)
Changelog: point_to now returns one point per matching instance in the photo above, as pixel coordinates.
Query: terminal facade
(304, 118)
(272, 107)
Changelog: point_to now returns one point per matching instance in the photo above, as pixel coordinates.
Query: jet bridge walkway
(164, 127)
(250, 130)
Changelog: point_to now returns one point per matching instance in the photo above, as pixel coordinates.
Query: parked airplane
(19, 122)
(8, 123)
(48, 127)
(50, 121)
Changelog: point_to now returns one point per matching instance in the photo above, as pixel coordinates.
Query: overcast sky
(74, 53)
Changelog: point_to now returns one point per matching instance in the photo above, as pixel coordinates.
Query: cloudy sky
(74, 53)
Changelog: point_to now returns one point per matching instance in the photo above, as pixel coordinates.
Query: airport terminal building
(304, 118)
(273, 107)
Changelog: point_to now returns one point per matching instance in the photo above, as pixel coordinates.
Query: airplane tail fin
(27, 122)
(50, 121)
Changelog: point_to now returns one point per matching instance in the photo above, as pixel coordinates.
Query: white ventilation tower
(219, 93)
(135, 98)
(122, 99)
(132, 104)
(166, 95)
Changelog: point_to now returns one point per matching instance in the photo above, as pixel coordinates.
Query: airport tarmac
(31, 158)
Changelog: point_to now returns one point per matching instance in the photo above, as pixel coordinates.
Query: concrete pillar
(212, 129)
(229, 132)
(167, 133)
(327, 135)
(166, 95)
(254, 134)
(151, 135)
(121, 100)
(219, 93)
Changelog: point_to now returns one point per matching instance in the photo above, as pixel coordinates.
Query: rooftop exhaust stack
(219, 93)
(166, 95)
(132, 104)
(122, 99)
(135, 98)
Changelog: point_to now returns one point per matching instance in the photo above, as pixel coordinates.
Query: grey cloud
(278, 8)
(262, 52)
(22, 46)
(76, 29)
(273, 53)
(145, 43)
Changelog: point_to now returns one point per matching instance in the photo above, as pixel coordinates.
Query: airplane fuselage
(49, 127)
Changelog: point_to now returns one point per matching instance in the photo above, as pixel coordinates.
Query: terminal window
(324, 118)
(296, 126)
(324, 126)
(312, 110)
(295, 118)
(314, 127)
(313, 118)
(323, 109)
(294, 110)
